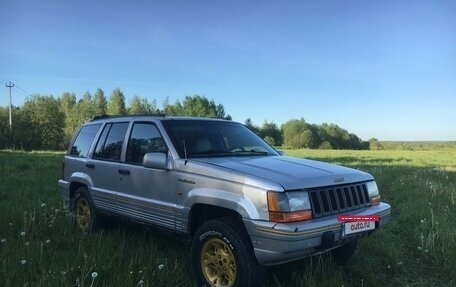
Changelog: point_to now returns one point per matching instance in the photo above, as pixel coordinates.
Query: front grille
(338, 199)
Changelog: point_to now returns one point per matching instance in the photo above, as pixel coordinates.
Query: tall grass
(40, 247)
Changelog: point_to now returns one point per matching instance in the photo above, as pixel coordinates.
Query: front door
(144, 193)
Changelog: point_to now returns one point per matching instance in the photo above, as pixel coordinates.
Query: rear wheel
(342, 254)
(223, 256)
(84, 213)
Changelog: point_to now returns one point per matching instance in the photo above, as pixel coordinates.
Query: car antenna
(185, 152)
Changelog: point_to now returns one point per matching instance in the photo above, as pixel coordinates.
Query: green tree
(299, 134)
(195, 106)
(5, 135)
(100, 103)
(248, 123)
(142, 106)
(116, 105)
(68, 106)
(46, 123)
(374, 144)
(271, 131)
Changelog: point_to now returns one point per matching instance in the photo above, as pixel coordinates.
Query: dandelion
(43, 205)
(419, 248)
(423, 220)
(94, 275)
(10, 224)
(399, 263)
(22, 233)
(23, 262)
(3, 240)
(140, 283)
(27, 243)
(389, 267)
(48, 241)
(140, 272)
(160, 267)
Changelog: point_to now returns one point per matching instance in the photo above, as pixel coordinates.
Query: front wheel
(223, 256)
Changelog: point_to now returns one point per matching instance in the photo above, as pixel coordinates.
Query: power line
(24, 92)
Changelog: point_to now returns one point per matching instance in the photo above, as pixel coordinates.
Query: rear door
(104, 165)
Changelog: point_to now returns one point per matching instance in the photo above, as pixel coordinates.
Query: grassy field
(40, 247)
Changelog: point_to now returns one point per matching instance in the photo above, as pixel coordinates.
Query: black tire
(223, 256)
(84, 213)
(342, 254)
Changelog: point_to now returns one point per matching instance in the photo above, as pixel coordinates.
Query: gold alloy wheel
(83, 214)
(218, 263)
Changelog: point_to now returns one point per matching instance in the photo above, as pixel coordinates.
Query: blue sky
(384, 69)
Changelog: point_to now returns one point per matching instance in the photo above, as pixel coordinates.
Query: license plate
(357, 226)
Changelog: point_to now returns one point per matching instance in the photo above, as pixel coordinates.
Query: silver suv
(242, 203)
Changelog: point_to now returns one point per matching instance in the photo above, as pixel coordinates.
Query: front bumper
(276, 243)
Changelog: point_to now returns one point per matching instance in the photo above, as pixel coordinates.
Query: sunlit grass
(40, 247)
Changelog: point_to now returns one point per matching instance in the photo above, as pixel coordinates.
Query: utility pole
(11, 85)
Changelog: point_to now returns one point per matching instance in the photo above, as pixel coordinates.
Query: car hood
(291, 173)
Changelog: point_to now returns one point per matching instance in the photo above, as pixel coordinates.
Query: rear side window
(84, 140)
(144, 138)
(109, 144)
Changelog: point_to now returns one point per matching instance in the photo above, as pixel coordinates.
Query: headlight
(289, 206)
(372, 190)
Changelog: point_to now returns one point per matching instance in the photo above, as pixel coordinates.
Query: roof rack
(100, 117)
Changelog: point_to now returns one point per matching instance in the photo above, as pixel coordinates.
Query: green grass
(417, 247)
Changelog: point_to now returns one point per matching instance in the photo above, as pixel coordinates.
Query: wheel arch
(201, 212)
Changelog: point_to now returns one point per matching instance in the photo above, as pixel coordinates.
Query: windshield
(213, 138)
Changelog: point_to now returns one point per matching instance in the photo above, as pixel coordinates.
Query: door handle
(90, 165)
(124, 171)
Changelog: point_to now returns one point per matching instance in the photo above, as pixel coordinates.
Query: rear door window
(109, 146)
(81, 145)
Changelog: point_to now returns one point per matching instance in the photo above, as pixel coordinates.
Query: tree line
(48, 123)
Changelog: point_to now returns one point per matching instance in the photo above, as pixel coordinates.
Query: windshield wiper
(218, 153)
(209, 153)
(250, 153)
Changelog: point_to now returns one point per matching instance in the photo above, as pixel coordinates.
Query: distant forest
(48, 123)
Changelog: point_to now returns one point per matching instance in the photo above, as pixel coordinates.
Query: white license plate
(357, 226)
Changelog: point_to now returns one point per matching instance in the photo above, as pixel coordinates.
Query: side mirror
(157, 160)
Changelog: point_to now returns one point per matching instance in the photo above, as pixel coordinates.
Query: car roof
(152, 116)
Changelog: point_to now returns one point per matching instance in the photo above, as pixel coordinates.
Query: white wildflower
(22, 233)
(23, 262)
(3, 240)
(43, 205)
(160, 267)
(94, 274)
(48, 241)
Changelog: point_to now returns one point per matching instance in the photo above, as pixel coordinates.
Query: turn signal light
(290, 216)
(375, 200)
